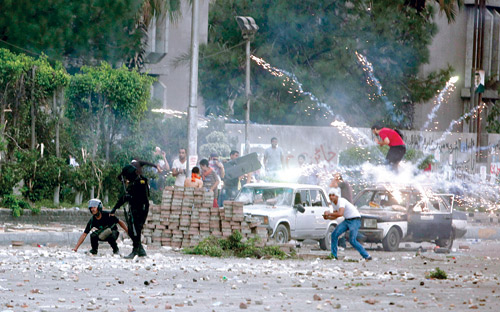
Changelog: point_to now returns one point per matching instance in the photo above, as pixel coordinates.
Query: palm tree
(448, 7)
(149, 10)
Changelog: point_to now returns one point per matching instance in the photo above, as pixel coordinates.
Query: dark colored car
(390, 215)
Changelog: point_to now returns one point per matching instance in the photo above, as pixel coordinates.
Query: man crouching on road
(352, 222)
(105, 225)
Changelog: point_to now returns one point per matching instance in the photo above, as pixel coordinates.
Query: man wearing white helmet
(105, 225)
(352, 222)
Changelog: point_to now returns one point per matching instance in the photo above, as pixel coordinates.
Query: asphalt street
(53, 278)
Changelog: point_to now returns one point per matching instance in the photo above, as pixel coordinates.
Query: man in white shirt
(179, 168)
(274, 159)
(352, 222)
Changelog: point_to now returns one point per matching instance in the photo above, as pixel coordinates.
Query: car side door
(320, 205)
(429, 219)
(304, 226)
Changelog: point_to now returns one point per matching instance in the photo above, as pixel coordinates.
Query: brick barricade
(186, 216)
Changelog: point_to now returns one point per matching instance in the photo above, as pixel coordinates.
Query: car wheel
(281, 236)
(391, 240)
(326, 242)
(446, 242)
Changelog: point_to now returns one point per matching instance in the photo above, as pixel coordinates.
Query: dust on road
(57, 279)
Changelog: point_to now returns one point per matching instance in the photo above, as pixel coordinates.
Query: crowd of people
(210, 175)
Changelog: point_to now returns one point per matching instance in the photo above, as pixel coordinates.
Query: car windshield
(382, 199)
(266, 196)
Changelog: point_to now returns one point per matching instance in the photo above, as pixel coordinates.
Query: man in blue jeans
(352, 222)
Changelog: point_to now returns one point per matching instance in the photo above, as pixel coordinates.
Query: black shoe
(93, 251)
(132, 254)
(116, 251)
(141, 252)
(369, 258)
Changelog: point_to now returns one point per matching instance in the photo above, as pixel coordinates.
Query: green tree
(316, 42)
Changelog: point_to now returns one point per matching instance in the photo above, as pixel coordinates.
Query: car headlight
(263, 219)
(370, 223)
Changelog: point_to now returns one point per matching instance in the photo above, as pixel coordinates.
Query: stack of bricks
(186, 216)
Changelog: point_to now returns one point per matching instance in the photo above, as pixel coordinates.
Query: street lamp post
(248, 30)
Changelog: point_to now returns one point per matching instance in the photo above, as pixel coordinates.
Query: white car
(390, 215)
(290, 211)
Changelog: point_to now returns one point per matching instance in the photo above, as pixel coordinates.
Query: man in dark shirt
(137, 195)
(105, 225)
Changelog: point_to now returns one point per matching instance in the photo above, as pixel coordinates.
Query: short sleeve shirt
(105, 221)
(394, 138)
(273, 156)
(181, 177)
(350, 211)
(210, 179)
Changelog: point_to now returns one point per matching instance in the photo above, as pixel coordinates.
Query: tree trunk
(33, 117)
(57, 190)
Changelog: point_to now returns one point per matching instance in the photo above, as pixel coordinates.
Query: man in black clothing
(137, 195)
(105, 225)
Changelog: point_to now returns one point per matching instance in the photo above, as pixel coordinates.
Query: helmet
(95, 203)
(129, 172)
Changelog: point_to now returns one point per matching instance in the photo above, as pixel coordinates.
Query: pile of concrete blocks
(186, 216)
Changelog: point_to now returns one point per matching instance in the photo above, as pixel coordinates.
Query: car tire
(281, 235)
(326, 242)
(391, 240)
(446, 242)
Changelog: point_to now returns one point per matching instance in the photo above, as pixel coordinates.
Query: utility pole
(477, 66)
(248, 30)
(193, 88)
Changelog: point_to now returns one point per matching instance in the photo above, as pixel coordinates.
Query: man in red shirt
(397, 147)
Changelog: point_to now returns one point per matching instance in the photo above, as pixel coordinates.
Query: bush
(438, 274)
(17, 205)
(233, 246)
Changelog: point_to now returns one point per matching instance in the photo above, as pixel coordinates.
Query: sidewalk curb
(41, 238)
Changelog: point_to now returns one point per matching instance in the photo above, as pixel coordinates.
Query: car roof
(284, 185)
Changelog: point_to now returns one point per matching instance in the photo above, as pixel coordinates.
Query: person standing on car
(393, 138)
(352, 222)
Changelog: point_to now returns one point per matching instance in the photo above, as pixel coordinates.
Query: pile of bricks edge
(186, 216)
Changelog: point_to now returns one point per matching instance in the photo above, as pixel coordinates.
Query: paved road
(56, 279)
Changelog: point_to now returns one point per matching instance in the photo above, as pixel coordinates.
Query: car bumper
(372, 235)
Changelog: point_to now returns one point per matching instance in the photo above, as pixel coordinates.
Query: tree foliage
(316, 42)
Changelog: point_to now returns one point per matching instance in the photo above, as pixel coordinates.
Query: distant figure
(73, 162)
(162, 163)
(345, 187)
(274, 158)
(210, 179)
(231, 186)
(308, 174)
(179, 168)
(397, 147)
(218, 168)
(195, 180)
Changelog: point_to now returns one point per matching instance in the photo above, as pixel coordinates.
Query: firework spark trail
(292, 79)
(368, 68)
(440, 99)
(453, 123)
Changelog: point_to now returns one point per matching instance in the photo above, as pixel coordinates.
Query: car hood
(264, 210)
(383, 215)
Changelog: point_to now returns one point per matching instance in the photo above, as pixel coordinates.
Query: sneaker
(93, 251)
(332, 257)
(116, 251)
(369, 258)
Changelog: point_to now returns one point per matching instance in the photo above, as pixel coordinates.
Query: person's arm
(216, 182)
(334, 215)
(80, 241)
(222, 172)
(123, 225)
(122, 200)
(282, 157)
(167, 166)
